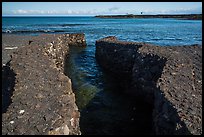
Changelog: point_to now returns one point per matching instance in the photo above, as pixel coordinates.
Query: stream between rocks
(104, 106)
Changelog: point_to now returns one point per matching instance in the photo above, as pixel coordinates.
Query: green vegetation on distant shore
(179, 16)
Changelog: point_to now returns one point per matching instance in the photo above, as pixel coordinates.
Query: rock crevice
(166, 76)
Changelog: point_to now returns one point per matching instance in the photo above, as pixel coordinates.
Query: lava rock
(42, 98)
(166, 76)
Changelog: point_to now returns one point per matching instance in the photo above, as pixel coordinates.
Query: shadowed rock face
(42, 100)
(8, 82)
(169, 77)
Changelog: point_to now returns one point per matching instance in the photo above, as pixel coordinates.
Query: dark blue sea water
(103, 106)
(155, 30)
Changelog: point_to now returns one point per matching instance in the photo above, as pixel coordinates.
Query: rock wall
(113, 59)
(166, 76)
(42, 100)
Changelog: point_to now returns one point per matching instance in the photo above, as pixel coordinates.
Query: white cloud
(20, 12)
(51, 12)
(112, 10)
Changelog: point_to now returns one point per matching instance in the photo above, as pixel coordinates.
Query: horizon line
(98, 15)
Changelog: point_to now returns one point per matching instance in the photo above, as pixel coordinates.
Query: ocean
(103, 106)
(154, 30)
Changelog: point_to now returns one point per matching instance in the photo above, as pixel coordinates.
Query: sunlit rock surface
(169, 77)
(41, 98)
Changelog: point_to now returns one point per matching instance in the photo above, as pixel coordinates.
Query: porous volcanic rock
(169, 77)
(42, 100)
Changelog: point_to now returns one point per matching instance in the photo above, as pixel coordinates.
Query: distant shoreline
(177, 16)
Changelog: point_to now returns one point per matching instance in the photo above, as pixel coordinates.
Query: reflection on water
(79, 67)
(105, 108)
(84, 94)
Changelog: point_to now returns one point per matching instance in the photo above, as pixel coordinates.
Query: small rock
(22, 111)
(173, 73)
(199, 81)
(39, 95)
(72, 121)
(66, 130)
(11, 122)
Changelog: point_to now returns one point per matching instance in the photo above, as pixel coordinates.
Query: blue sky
(98, 8)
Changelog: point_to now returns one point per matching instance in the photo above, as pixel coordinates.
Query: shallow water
(105, 108)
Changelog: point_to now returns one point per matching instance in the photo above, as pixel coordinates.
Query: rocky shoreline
(37, 96)
(169, 77)
(179, 16)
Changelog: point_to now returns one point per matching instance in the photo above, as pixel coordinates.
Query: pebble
(11, 122)
(173, 73)
(66, 130)
(179, 110)
(199, 81)
(72, 121)
(22, 111)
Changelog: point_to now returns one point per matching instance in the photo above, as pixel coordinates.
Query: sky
(98, 8)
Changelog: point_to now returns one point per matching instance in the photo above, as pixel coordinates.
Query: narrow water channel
(105, 109)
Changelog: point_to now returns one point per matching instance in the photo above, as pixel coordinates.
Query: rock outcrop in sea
(37, 96)
(176, 16)
(169, 77)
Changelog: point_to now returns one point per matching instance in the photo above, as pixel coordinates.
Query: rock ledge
(42, 100)
(169, 77)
